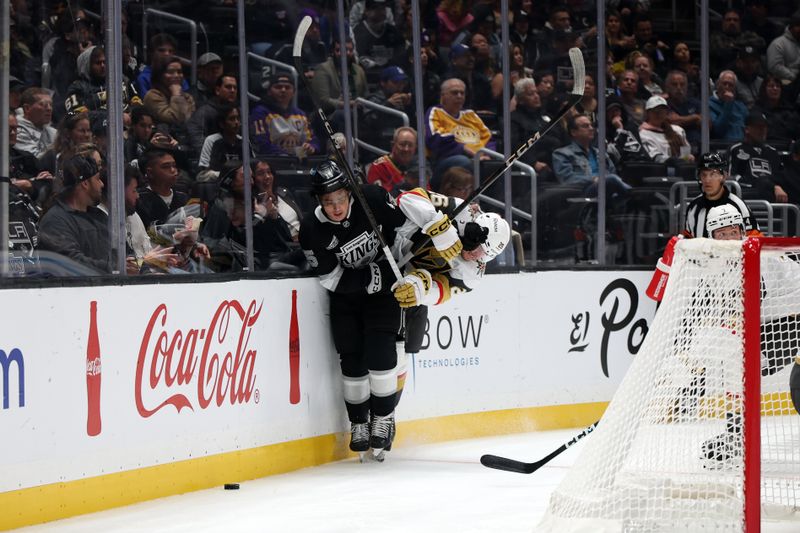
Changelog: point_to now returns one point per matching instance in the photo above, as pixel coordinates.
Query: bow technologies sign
(12, 364)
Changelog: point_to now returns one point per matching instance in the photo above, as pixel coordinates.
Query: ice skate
(382, 435)
(359, 438)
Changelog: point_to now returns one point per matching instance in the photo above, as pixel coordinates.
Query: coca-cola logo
(221, 371)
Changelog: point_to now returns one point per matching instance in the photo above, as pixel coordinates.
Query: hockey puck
(231, 486)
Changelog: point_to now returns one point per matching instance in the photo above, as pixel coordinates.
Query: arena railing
(380, 109)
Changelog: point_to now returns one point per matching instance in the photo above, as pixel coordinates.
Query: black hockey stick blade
(297, 50)
(511, 465)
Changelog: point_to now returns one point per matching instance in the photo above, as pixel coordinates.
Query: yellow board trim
(61, 500)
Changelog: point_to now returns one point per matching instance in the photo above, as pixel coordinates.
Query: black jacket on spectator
(21, 164)
(153, 210)
(479, 89)
(524, 122)
(203, 123)
(784, 122)
(757, 168)
(80, 236)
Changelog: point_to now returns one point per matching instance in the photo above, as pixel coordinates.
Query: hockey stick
(510, 465)
(302, 29)
(579, 84)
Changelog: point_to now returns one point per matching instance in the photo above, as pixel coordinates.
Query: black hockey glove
(474, 236)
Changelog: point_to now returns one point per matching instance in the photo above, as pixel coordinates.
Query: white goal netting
(669, 453)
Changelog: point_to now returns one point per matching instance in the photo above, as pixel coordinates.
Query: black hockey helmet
(327, 177)
(711, 161)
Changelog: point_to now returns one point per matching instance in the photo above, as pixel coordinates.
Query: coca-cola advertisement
(195, 368)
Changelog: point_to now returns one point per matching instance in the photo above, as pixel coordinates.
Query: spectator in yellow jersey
(454, 135)
(277, 127)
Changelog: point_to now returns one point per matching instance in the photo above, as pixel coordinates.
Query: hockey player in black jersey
(453, 262)
(344, 251)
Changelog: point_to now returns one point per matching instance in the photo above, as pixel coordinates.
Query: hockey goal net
(702, 434)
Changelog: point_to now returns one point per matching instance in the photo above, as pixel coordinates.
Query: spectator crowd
(185, 191)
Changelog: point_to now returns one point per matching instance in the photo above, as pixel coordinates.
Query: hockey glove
(411, 290)
(444, 237)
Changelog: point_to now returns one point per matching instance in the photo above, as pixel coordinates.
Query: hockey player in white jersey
(452, 262)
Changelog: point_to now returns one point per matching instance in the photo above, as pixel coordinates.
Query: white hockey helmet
(498, 236)
(723, 216)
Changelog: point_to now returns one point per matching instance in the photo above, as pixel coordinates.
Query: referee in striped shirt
(712, 171)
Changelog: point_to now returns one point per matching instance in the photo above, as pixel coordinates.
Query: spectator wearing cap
(727, 112)
(453, 135)
(278, 128)
(89, 91)
(784, 121)
(204, 121)
(327, 86)
(161, 45)
(684, 110)
(393, 170)
(783, 53)
(392, 93)
(74, 227)
(529, 117)
(748, 79)
(663, 141)
(756, 165)
(453, 16)
(377, 41)
(462, 66)
(35, 133)
(209, 69)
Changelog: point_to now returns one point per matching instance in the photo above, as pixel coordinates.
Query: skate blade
(378, 454)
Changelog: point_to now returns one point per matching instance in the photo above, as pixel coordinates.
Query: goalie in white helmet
(452, 262)
(725, 222)
(780, 335)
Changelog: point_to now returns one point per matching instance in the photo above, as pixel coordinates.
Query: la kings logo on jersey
(358, 251)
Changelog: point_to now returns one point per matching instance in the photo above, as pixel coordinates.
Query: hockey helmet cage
(327, 177)
(723, 216)
(711, 161)
(499, 234)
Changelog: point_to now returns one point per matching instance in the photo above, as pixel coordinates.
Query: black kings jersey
(346, 255)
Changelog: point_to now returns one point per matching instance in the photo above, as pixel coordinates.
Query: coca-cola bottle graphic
(294, 354)
(93, 374)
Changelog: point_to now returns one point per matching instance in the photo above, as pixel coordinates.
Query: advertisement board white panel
(188, 371)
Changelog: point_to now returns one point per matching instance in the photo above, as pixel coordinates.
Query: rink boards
(196, 381)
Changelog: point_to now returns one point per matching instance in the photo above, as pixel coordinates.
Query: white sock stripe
(356, 390)
(383, 382)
